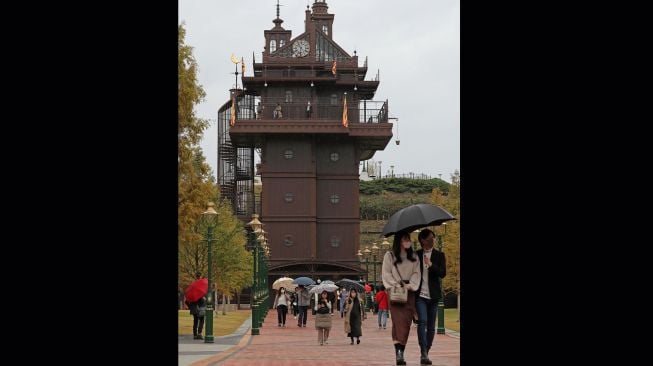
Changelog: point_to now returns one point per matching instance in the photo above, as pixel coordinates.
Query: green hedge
(403, 185)
(376, 206)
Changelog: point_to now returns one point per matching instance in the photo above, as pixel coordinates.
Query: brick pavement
(298, 346)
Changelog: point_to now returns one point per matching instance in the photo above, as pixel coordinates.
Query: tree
(451, 242)
(231, 262)
(195, 183)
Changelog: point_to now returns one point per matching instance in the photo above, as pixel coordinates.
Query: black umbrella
(416, 217)
(349, 284)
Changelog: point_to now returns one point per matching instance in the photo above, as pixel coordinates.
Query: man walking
(433, 267)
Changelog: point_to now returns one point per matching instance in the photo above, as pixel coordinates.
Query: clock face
(300, 48)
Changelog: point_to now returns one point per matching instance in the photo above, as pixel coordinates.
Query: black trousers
(198, 324)
(282, 310)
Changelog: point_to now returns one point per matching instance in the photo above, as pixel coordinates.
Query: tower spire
(278, 20)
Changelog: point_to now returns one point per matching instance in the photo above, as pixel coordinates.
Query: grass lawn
(450, 317)
(222, 324)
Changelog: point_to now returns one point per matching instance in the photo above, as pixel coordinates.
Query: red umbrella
(197, 289)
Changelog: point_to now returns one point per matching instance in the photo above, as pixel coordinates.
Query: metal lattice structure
(236, 164)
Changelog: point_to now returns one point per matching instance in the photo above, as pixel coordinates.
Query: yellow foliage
(451, 241)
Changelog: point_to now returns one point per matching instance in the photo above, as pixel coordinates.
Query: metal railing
(308, 74)
(364, 111)
(408, 176)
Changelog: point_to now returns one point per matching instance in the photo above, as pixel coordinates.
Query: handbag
(398, 295)
(201, 311)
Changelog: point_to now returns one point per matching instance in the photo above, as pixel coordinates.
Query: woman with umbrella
(197, 303)
(323, 319)
(401, 269)
(353, 317)
(281, 302)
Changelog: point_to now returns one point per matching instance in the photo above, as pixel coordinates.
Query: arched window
(288, 96)
(334, 99)
(281, 43)
(325, 30)
(273, 46)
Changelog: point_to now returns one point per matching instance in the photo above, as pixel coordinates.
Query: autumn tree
(232, 264)
(451, 241)
(194, 179)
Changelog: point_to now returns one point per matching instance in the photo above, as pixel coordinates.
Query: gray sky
(414, 43)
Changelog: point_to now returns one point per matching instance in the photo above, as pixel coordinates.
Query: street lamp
(385, 245)
(416, 232)
(255, 225)
(360, 258)
(441, 301)
(209, 216)
(375, 251)
(366, 253)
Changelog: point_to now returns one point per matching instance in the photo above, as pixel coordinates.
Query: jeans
(198, 325)
(303, 313)
(426, 314)
(383, 317)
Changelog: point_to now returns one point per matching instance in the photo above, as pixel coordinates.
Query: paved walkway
(298, 346)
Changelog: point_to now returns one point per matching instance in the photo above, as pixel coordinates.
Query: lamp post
(366, 254)
(385, 245)
(363, 259)
(255, 225)
(262, 277)
(441, 301)
(209, 216)
(416, 232)
(375, 251)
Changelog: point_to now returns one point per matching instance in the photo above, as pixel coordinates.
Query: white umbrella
(285, 282)
(323, 287)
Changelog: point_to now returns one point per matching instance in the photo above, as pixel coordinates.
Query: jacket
(437, 270)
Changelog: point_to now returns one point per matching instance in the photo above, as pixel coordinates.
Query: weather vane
(235, 61)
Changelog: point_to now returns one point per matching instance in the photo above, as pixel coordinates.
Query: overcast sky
(414, 43)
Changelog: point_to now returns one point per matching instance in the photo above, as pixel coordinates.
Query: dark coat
(437, 270)
(354, 318)
(195, 306)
